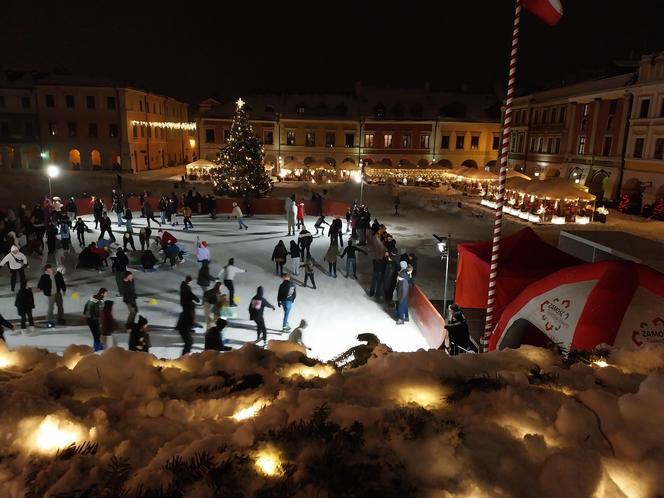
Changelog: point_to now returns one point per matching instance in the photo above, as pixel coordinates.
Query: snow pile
(252, 423)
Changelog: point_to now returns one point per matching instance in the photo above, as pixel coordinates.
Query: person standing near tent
(257, 306)
(227, 274)
(285, 298)
(92, 312)
(237, 212)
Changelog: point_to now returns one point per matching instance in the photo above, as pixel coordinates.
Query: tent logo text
(555, 313)
(649, 332)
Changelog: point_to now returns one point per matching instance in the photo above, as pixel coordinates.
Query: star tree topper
(239, 103)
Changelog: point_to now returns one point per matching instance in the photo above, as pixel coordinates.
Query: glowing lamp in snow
(600, 363)
(268, 462)
(250, 411)
(321, 371)
(54, 434)
(5, 361)
(424, 396)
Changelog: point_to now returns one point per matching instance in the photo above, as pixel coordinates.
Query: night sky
(196, 49)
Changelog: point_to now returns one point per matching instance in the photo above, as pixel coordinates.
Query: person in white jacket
(17, 262)
(237, 212)
(292, 214)
(202, 251)
(227, 274)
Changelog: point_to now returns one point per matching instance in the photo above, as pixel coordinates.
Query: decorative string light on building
(171, 125)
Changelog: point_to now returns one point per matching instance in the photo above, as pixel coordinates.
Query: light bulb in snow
(268, 462)
(600, 363)
(250, 411)
(54, 434)
(321, 371)
(424, 396)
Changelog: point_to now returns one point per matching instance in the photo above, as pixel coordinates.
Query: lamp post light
(52, 171)
(361, 180)
(443, 245)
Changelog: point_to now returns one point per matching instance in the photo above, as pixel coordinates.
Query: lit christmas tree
(241, 171)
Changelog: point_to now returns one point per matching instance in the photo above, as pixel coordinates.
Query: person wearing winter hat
(403, 288)
(25, 303)
(256, 308)
(139, 339)
(17, 262)
(214, 339)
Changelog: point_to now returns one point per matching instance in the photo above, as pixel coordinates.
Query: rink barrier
(225, 206)
(426, 316)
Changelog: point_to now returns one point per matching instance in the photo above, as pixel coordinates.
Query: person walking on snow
(92, 312)
(186, 213)
(304, 240)
(129, 298)
(204, 279)
(17, 263)
(119, 266)
(300, 214)
(25, 303)
(202, 251)
(188, 302)
(80, 228)
(279, 255)
(105, 226)
(331, 257)
(257, 306)
(53, 286)
(149, 213)
(227, 274)
(108, 325)
(139, 338)
(210, 302)
(237, 212)
(291, 214)
(214, 338)
(72, 209)
(319, 225)
(351, 259)
(309, 271)
(285, 298)
(295, 255)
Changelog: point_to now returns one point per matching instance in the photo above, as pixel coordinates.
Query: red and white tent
(609, 302)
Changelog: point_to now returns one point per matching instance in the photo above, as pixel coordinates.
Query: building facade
(416, 127)
(90, 124)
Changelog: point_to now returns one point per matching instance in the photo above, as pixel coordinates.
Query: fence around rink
(225, 205)
(427, 317)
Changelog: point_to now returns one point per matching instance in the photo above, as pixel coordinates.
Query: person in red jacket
(166, 238)
(300, 214)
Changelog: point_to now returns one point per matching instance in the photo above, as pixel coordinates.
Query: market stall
(199, 170)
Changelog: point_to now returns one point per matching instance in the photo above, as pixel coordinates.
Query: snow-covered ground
(336, 312)
(515, 423)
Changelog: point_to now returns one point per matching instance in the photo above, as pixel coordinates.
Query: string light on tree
(240, 170)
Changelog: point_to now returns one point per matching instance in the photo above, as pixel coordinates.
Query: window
(268, 137)
(90, 102)
(301, 108)
(310, 139)
(460, 141)
(4, 129)
(424, 141)
(69, 101)
(113, 130)
(330, 139)
(110, 103)
(545, 116)
(556, 146)
(535, 117)
(581, 149)
(50, 101)
(659, 148)
(561, 115)
(71, 129)
(517, 117)
(609, 122)
(154, 108)
(407, 141)
(644, 108)
(387, 140)
(140, 105)
(92, 130)
(350, 140)
(586, 110)
(495, 143)
(369, 139)
(290, 137)
(52, 129)
(134, 131)
(29, 131)
(227, 135)
(25, 102)
(532, 144)
(474, 142)
(638, 147)
(613, 105)
(142, 131)
(540, 144)
(549, 145)
(606, 146)
(445, 142)
(554, 115)
(2, 100)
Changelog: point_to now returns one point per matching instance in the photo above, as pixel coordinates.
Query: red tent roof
(524, 258)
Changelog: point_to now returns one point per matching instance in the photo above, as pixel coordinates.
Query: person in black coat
(379, 265)
(129, 297)
(204, 278)
(295, 255)
(304, 240)
(390, 276)
(188, 302)
(214, 338)
(336, 232)
(351, 260)
(80, 227)
(51, 237)
(257, 306)
(119, 266)
(279, 256)
(285, 298)
(148, 260)
(97, 211)
(25, 303)
(139, 339)
(53, 293)
(105, 226)
(458, 332)
(4, 323)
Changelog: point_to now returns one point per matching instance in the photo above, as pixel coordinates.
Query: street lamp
(52, 171)
(360, 179)
(443, 245)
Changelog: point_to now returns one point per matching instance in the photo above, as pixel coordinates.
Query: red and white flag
(549, 11)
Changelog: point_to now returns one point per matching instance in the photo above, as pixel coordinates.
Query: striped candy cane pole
(498, 221)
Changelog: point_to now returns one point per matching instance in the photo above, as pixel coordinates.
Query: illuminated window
(69, 101)
(290, 137)
(90, 102)
(369, 139)
(406, 141)
(268, 137)
(638, 147)
(71, 129)
(495, 142)
(50, 101)
(606, 146)
(301, 109)
(92, 130)
(581, 149)
(474, 142)
(349, 140)
(460, 141)
(52, 129)
(113, 130)
(387, 140)
(110, 103)
(330, 139)
(424, 141)
(310, 139)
